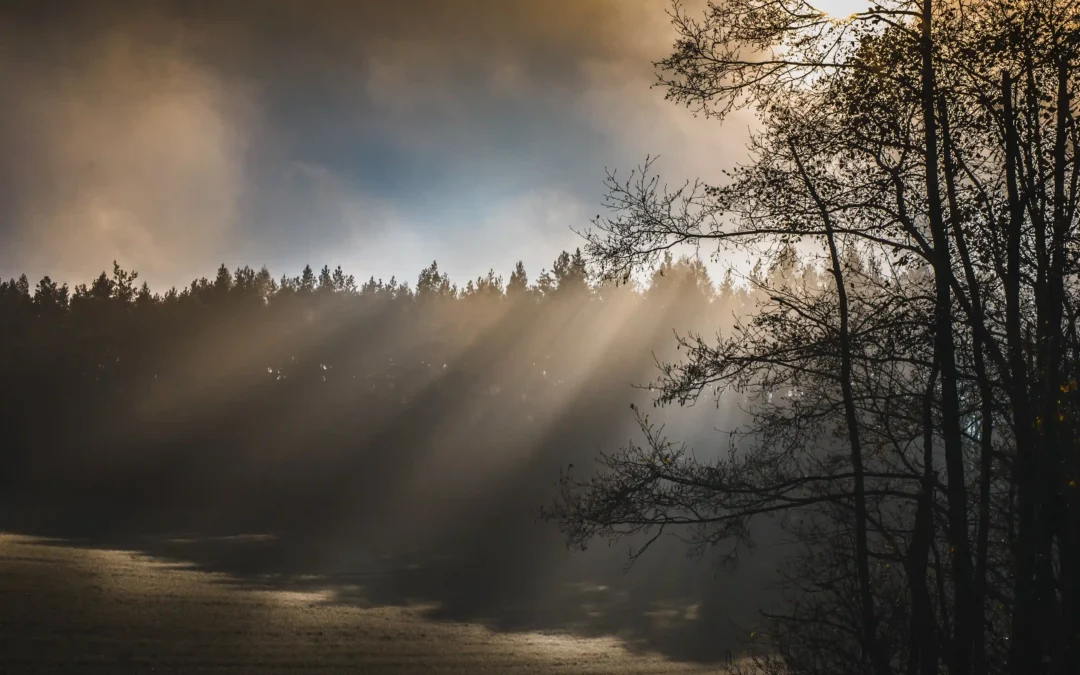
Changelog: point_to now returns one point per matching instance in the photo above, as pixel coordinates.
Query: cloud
(533, 226)
(276, 132)
(124, 149)
(326, 220)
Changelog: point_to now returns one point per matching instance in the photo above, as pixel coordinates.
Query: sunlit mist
(301, 334)
(539, 336)
(303, 433)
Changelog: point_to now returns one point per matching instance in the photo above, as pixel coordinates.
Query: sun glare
(841, 9)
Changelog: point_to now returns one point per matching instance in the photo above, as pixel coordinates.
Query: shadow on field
(681, 610)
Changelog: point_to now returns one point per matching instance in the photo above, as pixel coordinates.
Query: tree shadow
(680, 621)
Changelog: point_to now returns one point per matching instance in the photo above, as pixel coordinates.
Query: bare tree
(937, 142)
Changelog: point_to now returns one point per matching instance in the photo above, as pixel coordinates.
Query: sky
(175, 136)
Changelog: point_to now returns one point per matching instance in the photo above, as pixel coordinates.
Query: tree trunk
(945, 355)
(1023, 651)
(870, 647)
(986, 403)
(924, 657)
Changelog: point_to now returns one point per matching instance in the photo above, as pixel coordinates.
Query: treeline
(279, 402)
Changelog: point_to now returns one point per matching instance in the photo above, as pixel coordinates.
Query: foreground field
(69, 609)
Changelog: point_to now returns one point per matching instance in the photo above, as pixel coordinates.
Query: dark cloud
(174, 135)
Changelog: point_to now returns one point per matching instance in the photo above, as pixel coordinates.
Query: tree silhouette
(918, 406)
(241, 389)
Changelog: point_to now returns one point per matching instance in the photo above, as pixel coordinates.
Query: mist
(300, 431)
(653, 336)
(387, 440)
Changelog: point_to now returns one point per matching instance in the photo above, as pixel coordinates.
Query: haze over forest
(358, 420)
(482, 383)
